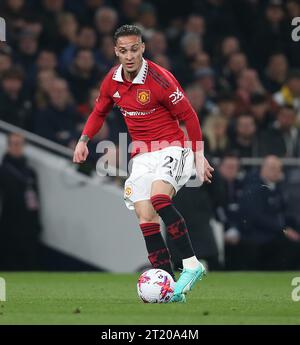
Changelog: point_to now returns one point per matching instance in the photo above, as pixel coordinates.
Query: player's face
(129, 50)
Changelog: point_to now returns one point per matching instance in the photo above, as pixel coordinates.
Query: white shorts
(173, 164)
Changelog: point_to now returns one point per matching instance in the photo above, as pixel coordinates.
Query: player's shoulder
(160, 75)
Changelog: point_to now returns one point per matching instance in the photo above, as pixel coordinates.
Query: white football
(155, 286)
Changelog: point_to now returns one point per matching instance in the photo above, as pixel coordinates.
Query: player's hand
(81, 152)
(203, 168)
(208, 170)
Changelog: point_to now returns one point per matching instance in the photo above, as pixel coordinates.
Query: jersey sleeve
(102, 107)
(175, 100)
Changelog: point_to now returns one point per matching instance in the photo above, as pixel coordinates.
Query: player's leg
(161, 198)
(162, 192)
(158, 253)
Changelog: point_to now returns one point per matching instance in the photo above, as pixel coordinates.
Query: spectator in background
(147, 21)
(229, 169)
(19, 218)
(46, 60)
(129, 10)
(219, 17)
(163, 61)
(16, 13)
(201, 60)
(82, 75)
(235, 64)
(27, 51)
(86, 39)
(156, 44)
(260, 110)
(49, 11)
(283, 138)
(276, 72)
(225, 105)
(191, 46)
(106, 21)
(271, 32)
(105, 55)
(248, 83)
(195, 24)
(215, 134)
(15, 105)
(196, 96)
(67, 30)
(174, 33)
(205, 78)
(229, 46)
(245, 143)
(290, 92)
(58, 121)
(86, 12)
(293, 9)
(269, 240)
(44, 81)
(5, 62)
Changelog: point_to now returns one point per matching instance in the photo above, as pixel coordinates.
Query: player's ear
(116, 52)
(143, 47)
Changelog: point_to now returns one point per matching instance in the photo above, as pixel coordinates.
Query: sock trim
(160, 201)
(149, 229)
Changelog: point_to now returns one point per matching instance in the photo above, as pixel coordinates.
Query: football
(155, 286)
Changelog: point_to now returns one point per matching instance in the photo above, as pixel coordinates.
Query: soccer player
(152, 103)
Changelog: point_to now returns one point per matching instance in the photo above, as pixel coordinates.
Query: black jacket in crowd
(262, 211)
(19, 215)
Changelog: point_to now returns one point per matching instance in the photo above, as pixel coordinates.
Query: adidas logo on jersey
(116, 95)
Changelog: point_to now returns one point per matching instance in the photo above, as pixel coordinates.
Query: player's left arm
(175, 100)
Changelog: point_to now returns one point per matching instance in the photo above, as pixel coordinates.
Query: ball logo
(143, 96)
(2, 290)
(128, 191)
(2, 30)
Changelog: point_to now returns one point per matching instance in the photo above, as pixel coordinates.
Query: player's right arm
(103, 105)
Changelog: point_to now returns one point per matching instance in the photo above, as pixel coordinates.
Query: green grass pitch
(110, 299)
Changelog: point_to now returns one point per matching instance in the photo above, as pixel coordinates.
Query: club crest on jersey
(128, 191)
(143, 96)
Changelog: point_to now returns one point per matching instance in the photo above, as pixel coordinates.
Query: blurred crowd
(236, 61)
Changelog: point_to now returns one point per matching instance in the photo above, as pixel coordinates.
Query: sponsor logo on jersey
(136, 113)
(176, 96)
(143, 96)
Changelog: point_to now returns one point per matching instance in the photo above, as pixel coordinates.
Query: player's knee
(145, 217)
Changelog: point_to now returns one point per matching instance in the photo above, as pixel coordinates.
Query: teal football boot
(187, 281)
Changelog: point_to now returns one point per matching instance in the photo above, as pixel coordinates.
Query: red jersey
(152, 105)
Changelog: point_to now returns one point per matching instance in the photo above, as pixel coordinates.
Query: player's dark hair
(127, 30)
